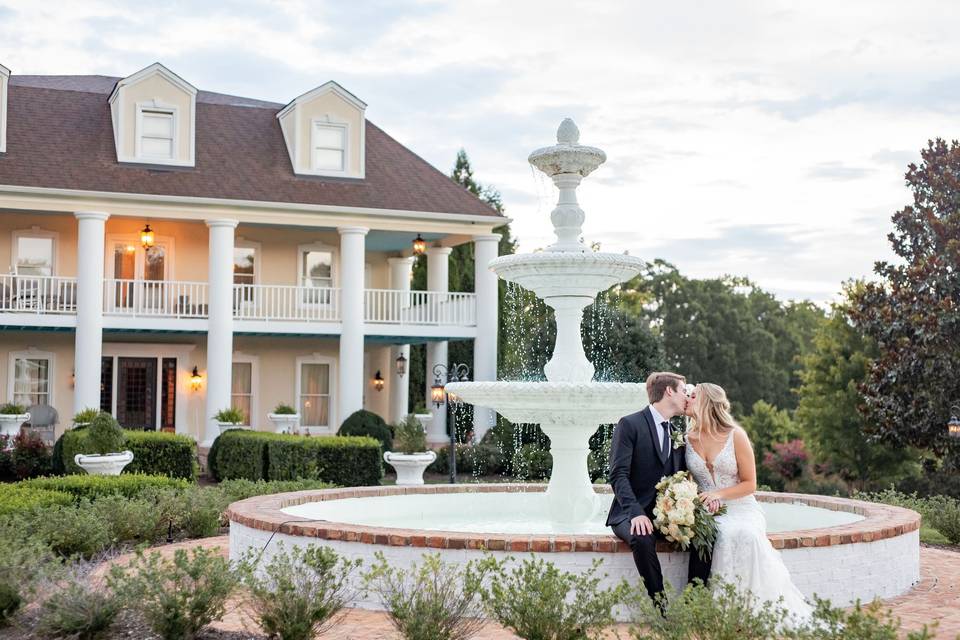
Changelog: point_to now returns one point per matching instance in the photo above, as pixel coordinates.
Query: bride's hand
(710, 500)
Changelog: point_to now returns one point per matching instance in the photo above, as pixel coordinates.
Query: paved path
(936, 598)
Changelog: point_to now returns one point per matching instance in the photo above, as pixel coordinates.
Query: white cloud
(715, 116)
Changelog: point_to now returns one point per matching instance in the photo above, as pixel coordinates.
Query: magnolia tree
(912, 312)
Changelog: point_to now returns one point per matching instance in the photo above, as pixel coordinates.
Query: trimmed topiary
(104, 435)
(367, 423)
(128, 485)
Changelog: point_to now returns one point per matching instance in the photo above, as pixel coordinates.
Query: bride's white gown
(742, 555)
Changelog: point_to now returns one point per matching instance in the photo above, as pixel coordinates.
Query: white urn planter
(410, 466)
(10, 423)
(108, 464)
(284, 422)
(224, 426)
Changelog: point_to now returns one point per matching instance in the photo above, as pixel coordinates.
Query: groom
(642, 453)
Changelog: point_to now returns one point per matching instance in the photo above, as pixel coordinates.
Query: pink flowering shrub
(787, 460)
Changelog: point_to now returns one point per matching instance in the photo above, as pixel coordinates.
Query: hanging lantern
(436, 393)
(195, 379)
(378, 381)
(419, 246)
(146, 237)
(953, 424)
(401, 365)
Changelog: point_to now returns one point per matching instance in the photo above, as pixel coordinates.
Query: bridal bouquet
(681, 517)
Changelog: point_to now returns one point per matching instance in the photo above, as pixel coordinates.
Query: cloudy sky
(763, 138)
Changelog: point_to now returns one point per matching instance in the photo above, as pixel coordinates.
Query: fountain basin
(581, 404)
(838, 548)
(552, 274)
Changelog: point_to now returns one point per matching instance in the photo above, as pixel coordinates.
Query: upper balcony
(51, 301)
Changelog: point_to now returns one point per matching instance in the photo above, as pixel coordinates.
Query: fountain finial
(567, 132)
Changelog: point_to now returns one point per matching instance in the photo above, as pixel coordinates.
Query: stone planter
(108, 464)
(224, 426)
(410, 466)
(284, 422)
(10, 424)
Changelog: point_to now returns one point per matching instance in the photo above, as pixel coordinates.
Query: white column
(485, 249)
(350, 381)
(219, 324)
(438, 279)
(88, 346)
(400, 270)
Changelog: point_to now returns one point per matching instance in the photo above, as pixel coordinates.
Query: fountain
(840, 549)
(567, 275)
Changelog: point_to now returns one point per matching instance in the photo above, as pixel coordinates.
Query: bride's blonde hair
(712, 416)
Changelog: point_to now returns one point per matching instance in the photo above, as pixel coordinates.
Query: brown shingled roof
(59, 135)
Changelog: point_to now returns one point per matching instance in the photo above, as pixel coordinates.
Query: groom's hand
(641, 526)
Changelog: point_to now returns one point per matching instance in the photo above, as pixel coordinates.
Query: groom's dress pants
(644, 550)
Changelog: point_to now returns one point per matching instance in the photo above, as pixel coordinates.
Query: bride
(720, 457)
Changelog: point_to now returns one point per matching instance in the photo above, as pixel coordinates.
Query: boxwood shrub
(154, 453)
(93, 487)
(16, 499)
(255, 455)
(239, 454)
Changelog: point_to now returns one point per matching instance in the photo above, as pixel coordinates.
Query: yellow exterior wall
(329, 107)
(61, 346)
(66, 245)
(159, 88)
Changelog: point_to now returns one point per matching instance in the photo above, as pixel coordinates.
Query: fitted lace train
(742, 555)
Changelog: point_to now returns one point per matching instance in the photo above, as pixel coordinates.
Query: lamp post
(953, 424)
(442, 375)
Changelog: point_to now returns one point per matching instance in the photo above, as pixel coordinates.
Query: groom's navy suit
(636, 466)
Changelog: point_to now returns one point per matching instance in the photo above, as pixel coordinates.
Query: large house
(173, 252)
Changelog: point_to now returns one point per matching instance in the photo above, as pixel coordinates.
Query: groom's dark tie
(665, 447)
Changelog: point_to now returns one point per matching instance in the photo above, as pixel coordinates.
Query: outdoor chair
(43, 420)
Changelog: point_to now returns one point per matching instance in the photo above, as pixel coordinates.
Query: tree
(461, 276)
(725, 330)
(829, 399)
(912, 312)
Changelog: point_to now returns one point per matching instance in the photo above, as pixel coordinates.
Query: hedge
(93, 487)
(240, 454)
(346, 461)
(18, 499)
(154, 453)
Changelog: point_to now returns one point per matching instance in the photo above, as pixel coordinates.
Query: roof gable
(331, 86)
(148, 72)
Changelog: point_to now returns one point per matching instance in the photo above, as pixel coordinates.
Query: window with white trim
(244, 273)
(314, 393)
(328, 151)
(156, 133)
(316, 275)
(35, 254)
(241, 391)
(31, 379)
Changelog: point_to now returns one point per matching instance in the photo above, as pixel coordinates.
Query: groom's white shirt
(658, 420)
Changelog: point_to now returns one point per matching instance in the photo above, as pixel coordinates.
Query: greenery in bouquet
(681, 517)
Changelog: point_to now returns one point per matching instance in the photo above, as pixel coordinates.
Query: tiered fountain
(840, 549)
(567, 275)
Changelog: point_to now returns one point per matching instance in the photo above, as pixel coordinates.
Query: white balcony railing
(178, 299)
(38, 294)
(155, 298)
(285, 302)
(392, 306)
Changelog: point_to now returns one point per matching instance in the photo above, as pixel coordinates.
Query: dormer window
(154, 118)
(156, 133)
(325, 133)
(329, 147)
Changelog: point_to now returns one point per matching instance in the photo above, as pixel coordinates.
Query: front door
(137, 393)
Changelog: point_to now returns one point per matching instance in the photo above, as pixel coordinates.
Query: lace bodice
(725, 473)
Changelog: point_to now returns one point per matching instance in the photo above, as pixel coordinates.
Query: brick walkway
(936, 598)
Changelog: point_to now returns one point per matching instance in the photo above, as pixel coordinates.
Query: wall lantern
(378, 381)
(953, 424)
(419, 246)
(195, 380)
(146, 237)
(401, 365)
